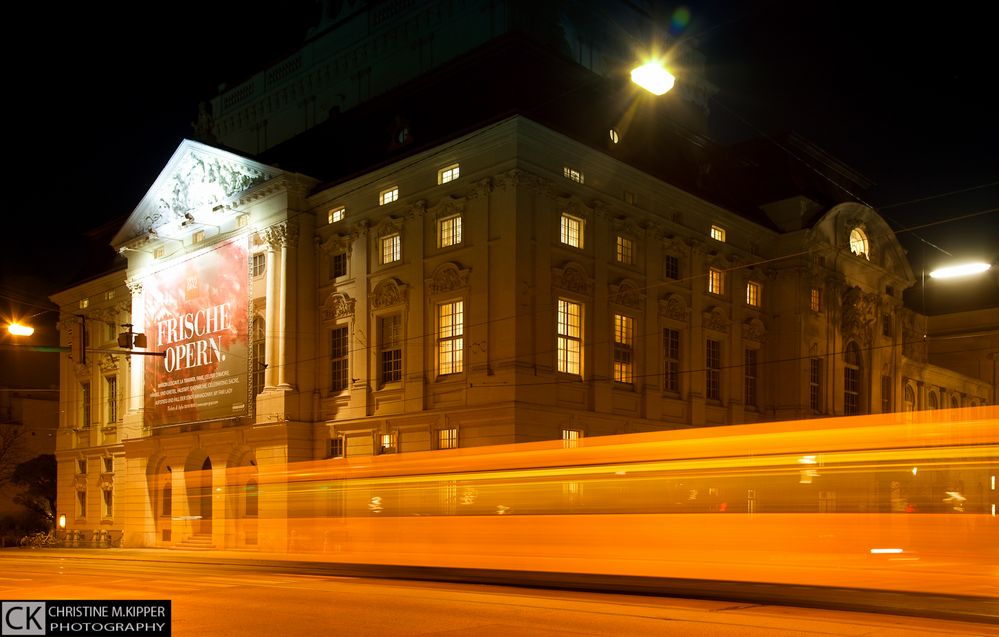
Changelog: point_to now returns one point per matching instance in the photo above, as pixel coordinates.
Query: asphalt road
(226, 599)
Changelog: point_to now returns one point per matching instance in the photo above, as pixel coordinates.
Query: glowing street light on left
(653, 77)
(16, 329)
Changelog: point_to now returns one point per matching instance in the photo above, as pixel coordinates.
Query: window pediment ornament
(516, 178)
(105, 482)
(337, 244)
(481, 188)
(714, 319)
(80, 482)
(108, 364)
(205, 181)
(388, 225)
(337, 306)
(676, 246)
(627, 293)
(674, 307)
(448, 277)
(754, 330)
(447, 207)
(574, 206)
(389, 292)
(626, 226)
(572, 278)
(859, 311)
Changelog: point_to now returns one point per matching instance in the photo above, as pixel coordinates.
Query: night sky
(100, 98)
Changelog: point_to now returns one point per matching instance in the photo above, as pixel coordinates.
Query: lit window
(671, 267)
(159, 252)
(391, 348)
(111, 333)
(815, 300)
(571, 231)
(718, 233)
(450, 337)
(84, 303)
(573, 174)
(242, 221)
(109, 295)
(858, 243)
(388, 443)
(338, 265)
(713, 366)
(339, 357)
(625, 251)
(259, 334)
(671, 360)
(570, 438)
(199, 236)
(112, 396)
(750, 377)
(570, 336)
(85, 405)
(449, 231)
(391, 248)
(814, 371)
(716, 281)
(336, 447)
(259, 264)
(448, 173)
(447, 438)
(624, 346)
(388, 195)
(337, 214)
(753, 290)
(851, 380)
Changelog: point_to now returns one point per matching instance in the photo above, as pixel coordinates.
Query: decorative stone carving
(754, 330)
(572, 278)
(337, 244)
(108, 364)
(481, 188)
(387, 226)
(388, 293)
(516, 177)
(135, 287)
(275, 236)
(337, 305)
(447, 278)
(416, 209)
(447, 206)
(80, 482)
(674, 307)
(714, 319)
(105, 482)
(204, 181)
(859, 312)
(574, 206)
(627, 293)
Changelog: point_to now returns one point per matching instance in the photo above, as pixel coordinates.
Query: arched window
(910, 398)
(851, 379)
(932, 402)
(259, 334)
(953, 402)
(251, 498)
(859, 244)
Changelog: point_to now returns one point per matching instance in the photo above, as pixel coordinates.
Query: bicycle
(38, 540)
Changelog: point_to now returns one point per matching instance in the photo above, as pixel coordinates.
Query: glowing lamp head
(62, 521)
(653, 77)
(965, 269)
(16, 329)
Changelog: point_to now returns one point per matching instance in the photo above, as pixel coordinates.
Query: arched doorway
(199, 487)
(205, 495)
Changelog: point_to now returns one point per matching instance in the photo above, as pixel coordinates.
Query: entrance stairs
(196, 542)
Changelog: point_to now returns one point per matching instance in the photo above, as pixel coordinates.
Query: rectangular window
(886, 394)
(753, 290)
(716, 281)
(159, 252)
(259, 264)
(713, 366)
(750, 378)
(851, 391)
(85, 405)
(339, 358)
(108, 503)
(81, 467)
(624, 348)
(337, 214)
(391, 248)
(886, 324)
(447, 438)
(449, 231)
(671, 267)
(671, 360)
(391, 348)
(625, 251)
(84, 303)
(815, 300)
(570, 438)
(571, 231)
(108, 465)
(814, 376)
(336, 447)
(199, 236)
(450, 337)
(81, 504)
(572, 174)
(718, 233)
(242, 221)
(387, 444)
(630, 198)
(448, 173)
(388, 195)
(109, 295)
(570, 336)
(110, 333)
(338, 265)
(112, 396)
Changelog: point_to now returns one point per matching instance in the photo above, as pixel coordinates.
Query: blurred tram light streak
(723, 503)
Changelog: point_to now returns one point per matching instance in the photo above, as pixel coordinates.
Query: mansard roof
(197, 178)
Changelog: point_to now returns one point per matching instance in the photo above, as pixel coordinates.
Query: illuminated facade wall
(509, 286)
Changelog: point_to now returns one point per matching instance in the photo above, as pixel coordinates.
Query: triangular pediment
(196, 178)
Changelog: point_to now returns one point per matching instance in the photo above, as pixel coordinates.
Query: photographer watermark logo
(22, 618)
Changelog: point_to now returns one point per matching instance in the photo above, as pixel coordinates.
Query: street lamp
(653, 77)
(16, 329)
(964, 269)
